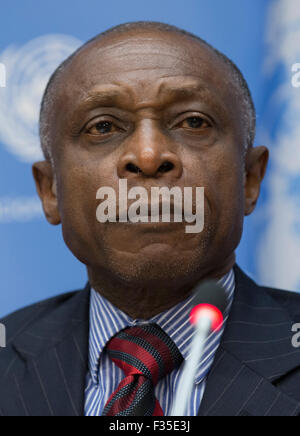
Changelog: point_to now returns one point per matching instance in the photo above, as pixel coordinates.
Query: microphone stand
(184, 391)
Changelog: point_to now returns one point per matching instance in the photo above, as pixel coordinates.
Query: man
(157, 107)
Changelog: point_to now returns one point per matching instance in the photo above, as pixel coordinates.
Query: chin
(155, 263)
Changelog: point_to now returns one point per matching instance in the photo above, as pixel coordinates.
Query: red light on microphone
(209, 311)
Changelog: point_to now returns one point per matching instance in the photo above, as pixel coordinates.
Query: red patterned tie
(146, 354)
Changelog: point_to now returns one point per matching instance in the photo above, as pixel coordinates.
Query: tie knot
(145, 350)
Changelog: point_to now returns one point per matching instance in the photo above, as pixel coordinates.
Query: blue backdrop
(261, 36)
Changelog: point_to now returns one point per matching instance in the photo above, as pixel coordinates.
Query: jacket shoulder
(286, 300)
(290, 301)
(17, 323)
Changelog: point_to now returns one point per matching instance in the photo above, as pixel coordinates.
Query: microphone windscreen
(211, 292)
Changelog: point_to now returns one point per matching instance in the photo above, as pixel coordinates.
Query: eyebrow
(111, 95)
(183, 91)
(102, 96)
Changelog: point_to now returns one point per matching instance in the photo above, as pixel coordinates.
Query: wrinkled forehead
(143, 60)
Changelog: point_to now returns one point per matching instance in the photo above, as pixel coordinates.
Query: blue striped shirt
(104, 376)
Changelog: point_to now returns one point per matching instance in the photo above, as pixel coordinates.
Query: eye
(194, 123)
(101, 128)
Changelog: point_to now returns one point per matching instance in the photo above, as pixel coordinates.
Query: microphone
(207, 316)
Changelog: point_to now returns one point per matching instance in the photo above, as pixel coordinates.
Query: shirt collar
(106, 321)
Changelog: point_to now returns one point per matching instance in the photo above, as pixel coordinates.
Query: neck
(145, 299)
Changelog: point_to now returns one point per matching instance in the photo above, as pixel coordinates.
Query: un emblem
(27, 71)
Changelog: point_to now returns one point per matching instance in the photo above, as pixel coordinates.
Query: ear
(256, 165)
(47, 190)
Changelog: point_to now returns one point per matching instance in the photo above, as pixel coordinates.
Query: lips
(155, 213)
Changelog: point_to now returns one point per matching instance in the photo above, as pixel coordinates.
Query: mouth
(150, 227)
(160, 213)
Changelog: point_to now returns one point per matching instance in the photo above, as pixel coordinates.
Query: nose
(149, 152)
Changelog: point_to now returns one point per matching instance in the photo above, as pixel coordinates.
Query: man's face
(142, 100)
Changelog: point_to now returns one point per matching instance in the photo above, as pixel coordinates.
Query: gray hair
(247, 104)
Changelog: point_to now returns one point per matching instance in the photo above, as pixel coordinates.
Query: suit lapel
(255, 353)
(234, 389)
(54, 351)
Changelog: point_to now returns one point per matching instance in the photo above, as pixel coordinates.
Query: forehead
(142, 64)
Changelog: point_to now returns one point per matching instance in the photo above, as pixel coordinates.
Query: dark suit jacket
(256, 370)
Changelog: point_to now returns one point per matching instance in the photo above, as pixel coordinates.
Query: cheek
(77, 190)
(221, 172)
(229, 196)
(81, 177)
(76, 214)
